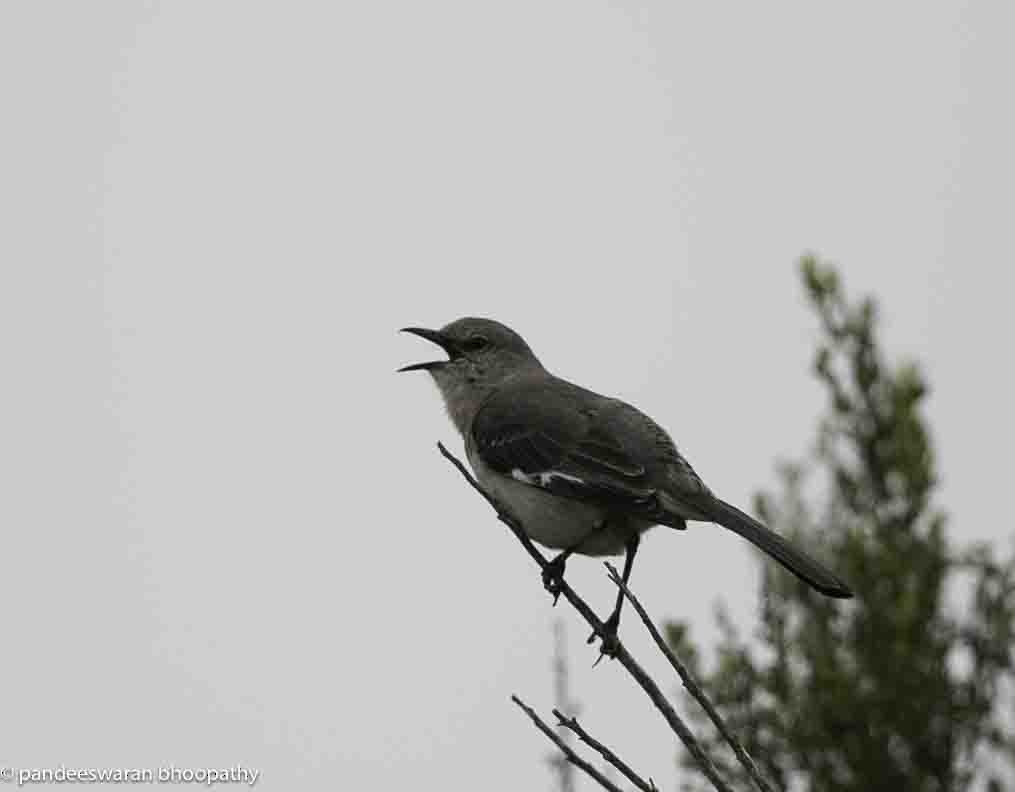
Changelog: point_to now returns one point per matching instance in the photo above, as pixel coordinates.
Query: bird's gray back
(646, 442)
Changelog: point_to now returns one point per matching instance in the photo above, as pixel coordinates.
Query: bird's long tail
(796, 561)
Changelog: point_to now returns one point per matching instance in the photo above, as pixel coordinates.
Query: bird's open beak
(434, 336)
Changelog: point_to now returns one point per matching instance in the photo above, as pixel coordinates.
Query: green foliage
(904, 687)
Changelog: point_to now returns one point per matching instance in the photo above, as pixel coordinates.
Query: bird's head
(483, 355)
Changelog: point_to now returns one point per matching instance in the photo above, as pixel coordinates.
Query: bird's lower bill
(428, 366)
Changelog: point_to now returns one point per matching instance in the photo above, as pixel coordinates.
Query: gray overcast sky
(228, 536)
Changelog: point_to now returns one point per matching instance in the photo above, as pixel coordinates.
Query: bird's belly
(559, 522)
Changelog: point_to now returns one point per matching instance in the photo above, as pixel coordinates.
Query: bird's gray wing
(577, 444)
(560, 438)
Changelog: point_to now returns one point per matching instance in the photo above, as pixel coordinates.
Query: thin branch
(569, 754)
(611, 647)
(666, 709)
(516, 528)
(573, 725)
(692, 686)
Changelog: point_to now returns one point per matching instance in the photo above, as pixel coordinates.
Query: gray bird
(584, 473)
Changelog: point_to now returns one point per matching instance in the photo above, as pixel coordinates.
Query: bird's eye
(476, 343)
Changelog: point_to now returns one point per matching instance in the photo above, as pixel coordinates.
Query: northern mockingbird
(583, 473)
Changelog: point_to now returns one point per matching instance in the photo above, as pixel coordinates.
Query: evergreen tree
(908, 686)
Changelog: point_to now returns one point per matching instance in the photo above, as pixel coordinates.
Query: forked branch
(692, 687)
(566, 749)
(575, 727)
(611, 647)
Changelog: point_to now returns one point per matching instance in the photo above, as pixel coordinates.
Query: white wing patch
(542, 479)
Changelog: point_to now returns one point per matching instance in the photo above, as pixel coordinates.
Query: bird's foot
(608, 647)
(553, 576)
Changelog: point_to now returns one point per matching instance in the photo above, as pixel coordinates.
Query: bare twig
(571, 756)
(692, 687)
(666, 709)
(516, 528)
(611, 646)
(573, 725)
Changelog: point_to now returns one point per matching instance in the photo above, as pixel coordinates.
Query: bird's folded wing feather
(561, 440)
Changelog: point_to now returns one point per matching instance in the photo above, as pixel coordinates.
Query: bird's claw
(553, 577)
(608, 647)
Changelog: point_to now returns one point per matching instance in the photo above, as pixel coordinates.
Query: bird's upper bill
(435, 336)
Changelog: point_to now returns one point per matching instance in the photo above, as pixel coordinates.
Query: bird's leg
(553, 572)
(611, 624)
